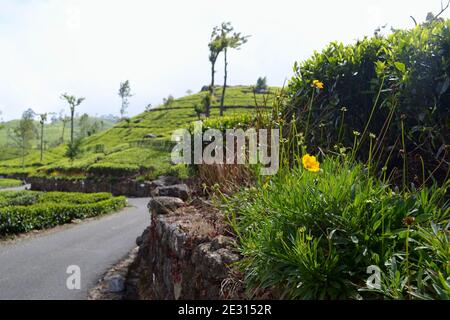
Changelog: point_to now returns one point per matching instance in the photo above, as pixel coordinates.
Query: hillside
(124, 150)
(53, 134)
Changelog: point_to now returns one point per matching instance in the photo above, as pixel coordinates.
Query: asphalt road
(36, 267)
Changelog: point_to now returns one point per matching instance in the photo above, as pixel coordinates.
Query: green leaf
(380, 66)
(400, 67)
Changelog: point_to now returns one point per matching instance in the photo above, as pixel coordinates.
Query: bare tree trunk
(42, 141)
(63, 131)
(211, 88)
(122, 110)
(23, 152)
(72, 114)
(225, 76)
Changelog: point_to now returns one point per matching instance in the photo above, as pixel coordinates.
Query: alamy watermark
(374, 280)
(237, 147)
(73, 282)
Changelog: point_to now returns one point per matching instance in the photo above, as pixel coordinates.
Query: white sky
(87, 47)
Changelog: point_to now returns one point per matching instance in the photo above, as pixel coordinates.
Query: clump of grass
(312, 235)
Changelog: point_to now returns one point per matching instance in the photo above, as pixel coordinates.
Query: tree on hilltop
(215, 47)
(125, 94)
(228, 40)
(24, 133)
(43, 117)
(73, 103)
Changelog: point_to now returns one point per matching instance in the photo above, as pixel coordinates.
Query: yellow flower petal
(318, 84)
(310, 163)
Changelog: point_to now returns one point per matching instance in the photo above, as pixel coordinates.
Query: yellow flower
(310, 163)
(318, 84)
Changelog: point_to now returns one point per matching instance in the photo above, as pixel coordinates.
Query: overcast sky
(87, 47)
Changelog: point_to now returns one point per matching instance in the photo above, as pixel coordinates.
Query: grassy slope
(52, 133)
(125, 145)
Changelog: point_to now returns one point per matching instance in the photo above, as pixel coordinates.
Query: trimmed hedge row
(114, 169)
(10, 183)
(19, 219)
(27, 198)
(18, 198)
(80, 198)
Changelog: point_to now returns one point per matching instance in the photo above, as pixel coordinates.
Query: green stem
(371, 114)
(404, 155)
(340, 128)
(42, 141)
(407, 258)
(309, 115)
(355, 140)
(370, 156)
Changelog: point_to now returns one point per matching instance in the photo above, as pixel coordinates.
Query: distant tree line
(26, 130)
(32, 126)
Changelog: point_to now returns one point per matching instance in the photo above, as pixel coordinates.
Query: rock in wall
(184, 254)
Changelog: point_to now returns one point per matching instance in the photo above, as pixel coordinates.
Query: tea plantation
(23, 211)
(135, 147)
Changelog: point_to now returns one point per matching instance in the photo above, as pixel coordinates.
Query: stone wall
(184, 254)
(124, 187)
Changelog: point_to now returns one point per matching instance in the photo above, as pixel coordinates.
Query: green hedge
(412, 69)
(81, 198)
(11, 170)
(229, 122)
(10, 183)
(27, 198)
(41, 210)
(18, 198)
(114, 169)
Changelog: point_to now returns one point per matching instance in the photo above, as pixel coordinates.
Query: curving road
(35, 267)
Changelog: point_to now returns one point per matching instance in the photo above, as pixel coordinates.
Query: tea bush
(390, 86)
(229, 122)
(18, 198)
(79, 198)
(10, 183)
(23, 211)
(114, 169)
